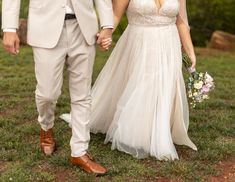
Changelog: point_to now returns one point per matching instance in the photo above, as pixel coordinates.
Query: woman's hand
(106, 43)
(193, 61)
(104, 38)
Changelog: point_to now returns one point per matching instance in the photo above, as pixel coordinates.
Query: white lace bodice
(146, 12)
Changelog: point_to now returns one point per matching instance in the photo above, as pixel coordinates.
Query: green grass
(212, 128)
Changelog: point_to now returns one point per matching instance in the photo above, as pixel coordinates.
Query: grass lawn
(212, 129)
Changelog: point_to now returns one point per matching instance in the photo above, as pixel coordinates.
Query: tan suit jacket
(46, 19)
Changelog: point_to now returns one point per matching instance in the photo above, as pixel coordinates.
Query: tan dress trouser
(72, 50)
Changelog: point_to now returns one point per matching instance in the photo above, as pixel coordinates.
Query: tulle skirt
(139, 98)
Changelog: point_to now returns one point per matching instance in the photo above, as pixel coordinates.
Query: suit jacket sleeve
(105, 12)
(10, 14)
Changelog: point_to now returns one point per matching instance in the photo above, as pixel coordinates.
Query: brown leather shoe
(47, 142)
(88, 164)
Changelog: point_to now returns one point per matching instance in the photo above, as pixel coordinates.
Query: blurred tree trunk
(22, 32)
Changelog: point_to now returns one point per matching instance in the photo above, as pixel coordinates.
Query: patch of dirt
(3, 166)
(211, 52)
(161, 179)
(64, 175)
(227, 170)
(61, 175)
(9, 111)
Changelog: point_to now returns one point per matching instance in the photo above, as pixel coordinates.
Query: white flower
(199, 100)
(208, 78)
(198, 85)
(205, 97)
(195, 93)
(190, 94)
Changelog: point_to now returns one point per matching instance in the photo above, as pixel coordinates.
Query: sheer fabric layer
(139, 98)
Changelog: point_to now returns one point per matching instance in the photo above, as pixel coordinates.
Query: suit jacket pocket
(35, 4)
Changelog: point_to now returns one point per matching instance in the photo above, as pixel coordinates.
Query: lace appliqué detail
(145, 12)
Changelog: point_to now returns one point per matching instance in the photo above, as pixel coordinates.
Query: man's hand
(104, 38)
(11, 42)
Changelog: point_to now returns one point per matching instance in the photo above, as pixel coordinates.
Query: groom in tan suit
(62, 32)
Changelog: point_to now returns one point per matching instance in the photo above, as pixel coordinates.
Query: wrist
(10, 34)
(192, 56)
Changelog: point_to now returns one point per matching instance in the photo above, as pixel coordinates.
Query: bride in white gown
(139, 98)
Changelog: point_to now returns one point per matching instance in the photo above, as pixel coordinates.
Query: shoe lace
(46, 134)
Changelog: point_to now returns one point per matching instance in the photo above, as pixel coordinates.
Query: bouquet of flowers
(199, 84)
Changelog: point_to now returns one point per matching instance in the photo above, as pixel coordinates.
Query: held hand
(104, 38)
(106, 43)
(11, 42)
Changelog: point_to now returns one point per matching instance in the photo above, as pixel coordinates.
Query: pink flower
(205, 89)
(209, 85)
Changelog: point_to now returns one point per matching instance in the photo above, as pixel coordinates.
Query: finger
(17, 47)
(106, 47)
(9, 48)
(99, 40)
(105, 41)
(13, 48)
